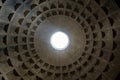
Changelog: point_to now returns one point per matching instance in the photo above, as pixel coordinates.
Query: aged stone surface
(93, 27)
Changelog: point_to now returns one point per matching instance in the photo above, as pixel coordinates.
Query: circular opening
(59, 41)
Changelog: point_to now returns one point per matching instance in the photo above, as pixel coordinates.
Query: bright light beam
(59, 41)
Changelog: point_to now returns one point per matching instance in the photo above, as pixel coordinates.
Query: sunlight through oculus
(59, 41)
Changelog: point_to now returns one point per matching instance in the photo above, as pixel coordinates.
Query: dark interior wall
(118, 77)
(118, 2)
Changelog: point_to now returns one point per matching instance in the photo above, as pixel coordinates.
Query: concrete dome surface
(93, 30)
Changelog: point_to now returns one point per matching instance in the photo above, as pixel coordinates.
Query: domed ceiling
(93, 27)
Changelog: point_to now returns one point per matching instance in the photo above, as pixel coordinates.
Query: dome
(59, 40)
